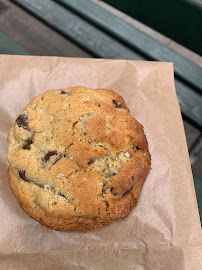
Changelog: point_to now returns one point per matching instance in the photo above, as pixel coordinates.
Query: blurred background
(169, 31)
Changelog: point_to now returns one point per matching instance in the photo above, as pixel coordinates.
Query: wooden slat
(180, 20)
(8, 46)
(33, 35)
(198, 188)
(190, 104)
(153, 49)
(191, 134)
(103, 46)
(77, 30)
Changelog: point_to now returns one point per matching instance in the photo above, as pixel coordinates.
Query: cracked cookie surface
(77, 158)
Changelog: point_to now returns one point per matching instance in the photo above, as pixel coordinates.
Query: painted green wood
(136, 39)
(77, 30)
(101, 45)
(190, 104)
(8, 46)
(181, 20)
(198, 188)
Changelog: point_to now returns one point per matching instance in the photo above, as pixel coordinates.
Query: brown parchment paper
(163, 231)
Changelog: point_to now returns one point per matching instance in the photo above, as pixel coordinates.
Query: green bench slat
(181, 20)
(198, 188)
(190, 104)
(77, 30)
(8, 46)
(136, 39)
(101, 45)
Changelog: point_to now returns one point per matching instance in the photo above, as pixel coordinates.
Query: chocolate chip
(22, 121)
(133, 178)
(23, 176)
(98, 104)
(60, 194)
(91, 161)
(65, 93)
(127, 191)
(27, 144)
(84, 134)
(113, 192)
(116, 105)
(106, 203)
(49, 154)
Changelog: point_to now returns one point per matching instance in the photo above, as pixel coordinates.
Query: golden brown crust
(77, 158)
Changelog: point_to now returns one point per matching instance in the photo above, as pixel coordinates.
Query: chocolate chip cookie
(77, 158)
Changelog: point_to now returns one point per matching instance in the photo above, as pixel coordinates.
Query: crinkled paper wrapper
(163, 231)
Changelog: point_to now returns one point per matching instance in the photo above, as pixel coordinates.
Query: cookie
(77, 158)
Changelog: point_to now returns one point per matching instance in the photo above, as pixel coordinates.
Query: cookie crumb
(127, 154)
(46, 187)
